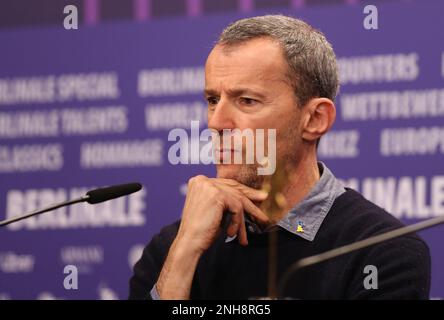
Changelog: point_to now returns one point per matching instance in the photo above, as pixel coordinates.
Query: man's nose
(221, 117)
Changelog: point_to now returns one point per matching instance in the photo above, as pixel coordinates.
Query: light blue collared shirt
(304, 219)
(311, 211)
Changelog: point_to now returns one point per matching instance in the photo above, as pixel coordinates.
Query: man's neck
(301, 180)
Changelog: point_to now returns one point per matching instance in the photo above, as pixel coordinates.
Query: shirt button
(251, 229)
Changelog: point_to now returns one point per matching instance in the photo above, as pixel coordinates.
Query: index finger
(251, 193)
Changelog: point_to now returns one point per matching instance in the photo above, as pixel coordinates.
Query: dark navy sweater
(231, 271)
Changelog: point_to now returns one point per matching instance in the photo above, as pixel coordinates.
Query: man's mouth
(227, 156)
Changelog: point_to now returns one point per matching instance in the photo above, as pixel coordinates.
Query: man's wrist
(187, 246)
(178, 271)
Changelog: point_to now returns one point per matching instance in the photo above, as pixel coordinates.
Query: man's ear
(319, 115)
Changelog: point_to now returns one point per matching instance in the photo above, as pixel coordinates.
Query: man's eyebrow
(244, 91)
(210, 92)
(234, 92)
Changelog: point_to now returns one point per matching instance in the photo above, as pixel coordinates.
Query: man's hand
(207, 200)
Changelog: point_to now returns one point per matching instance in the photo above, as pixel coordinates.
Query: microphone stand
(92, 197)
(272, 264)
(330, 254)
(40, 211)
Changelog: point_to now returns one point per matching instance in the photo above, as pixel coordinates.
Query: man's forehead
(252, 48)
(261, 59)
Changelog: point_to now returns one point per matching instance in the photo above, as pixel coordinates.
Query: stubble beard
(286, 155)
(246, 175)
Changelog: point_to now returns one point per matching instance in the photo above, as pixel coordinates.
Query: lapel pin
(300, 227)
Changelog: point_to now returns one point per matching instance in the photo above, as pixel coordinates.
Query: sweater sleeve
(402, 271)
(147, 269)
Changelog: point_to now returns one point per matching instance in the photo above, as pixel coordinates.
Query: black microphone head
(112, 192)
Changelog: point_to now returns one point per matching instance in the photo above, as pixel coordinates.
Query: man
(276, 72)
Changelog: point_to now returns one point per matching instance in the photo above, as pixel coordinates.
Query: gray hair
(313, 69)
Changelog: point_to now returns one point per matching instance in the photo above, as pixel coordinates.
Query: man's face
(246, 88)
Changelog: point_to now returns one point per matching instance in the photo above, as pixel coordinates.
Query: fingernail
(264, 194)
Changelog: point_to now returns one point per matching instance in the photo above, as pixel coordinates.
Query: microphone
(330, 254)
(92, 197)
(109, 193)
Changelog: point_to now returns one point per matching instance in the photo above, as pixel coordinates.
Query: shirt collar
(305, 219)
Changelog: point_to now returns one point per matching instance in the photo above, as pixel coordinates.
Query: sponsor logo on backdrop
(12, 262)
(83, 257)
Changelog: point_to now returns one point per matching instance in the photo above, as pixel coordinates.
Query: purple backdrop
(93, 107)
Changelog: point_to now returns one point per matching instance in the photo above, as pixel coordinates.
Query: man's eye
(212, 100)
(248, 101)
